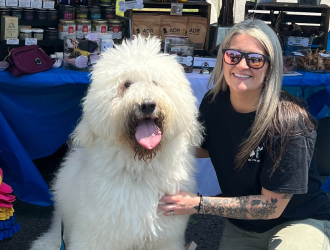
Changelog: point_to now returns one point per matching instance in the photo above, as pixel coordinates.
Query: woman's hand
(181, 203)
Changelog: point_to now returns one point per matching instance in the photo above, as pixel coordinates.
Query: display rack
(204, 10)
(313, 15)
(50, 46)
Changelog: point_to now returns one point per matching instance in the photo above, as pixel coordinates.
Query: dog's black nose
(147, 107)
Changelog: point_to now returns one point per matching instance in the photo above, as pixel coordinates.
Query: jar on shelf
(83, 27)
(184, 51)
(81, 12)
(66, 12)
(41, 14)
(51, 14)
(95, 12)
(107, 2)
(25, 33)
(108, 12)
(93, 2)
(99, 26)
(66, 27)
(115, 28)
(38, 33)
(84, 2)
(28, 14)
(51, 33)
(16, 11)
(4, 11)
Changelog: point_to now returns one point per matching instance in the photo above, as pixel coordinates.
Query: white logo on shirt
(254, 156)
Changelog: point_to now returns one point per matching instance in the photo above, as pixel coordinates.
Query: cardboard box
(9, 27)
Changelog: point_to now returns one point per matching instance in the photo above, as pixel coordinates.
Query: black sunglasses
(253, 60)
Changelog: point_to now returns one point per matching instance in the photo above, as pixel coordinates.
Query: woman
(261, 142)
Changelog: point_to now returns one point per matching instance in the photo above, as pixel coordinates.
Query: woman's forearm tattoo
(246, 207)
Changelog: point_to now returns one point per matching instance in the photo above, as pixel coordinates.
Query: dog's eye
(154, 82)
(127, 84)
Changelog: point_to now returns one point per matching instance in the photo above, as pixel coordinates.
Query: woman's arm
(268, 205)
(201, 153)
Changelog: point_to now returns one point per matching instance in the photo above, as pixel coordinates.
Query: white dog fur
(108, 188)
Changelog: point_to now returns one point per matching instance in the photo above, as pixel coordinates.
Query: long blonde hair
(270, 114)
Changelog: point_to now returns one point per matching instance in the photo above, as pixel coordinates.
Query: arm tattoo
(246, 207)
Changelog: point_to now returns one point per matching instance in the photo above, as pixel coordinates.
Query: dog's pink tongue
(148, 134)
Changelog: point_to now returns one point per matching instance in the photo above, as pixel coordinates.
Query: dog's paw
(43, 244)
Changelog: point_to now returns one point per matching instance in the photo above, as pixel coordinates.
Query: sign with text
(129, 5)
(176, 9)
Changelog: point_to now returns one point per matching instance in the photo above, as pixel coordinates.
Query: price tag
(11, 3)
(187, 60)
(136, 4)
(48, 4)
(298, 41)
(37, 4)
(12, 41)
(176, 9)
(31, 41)
(24, 3)
(2, 3)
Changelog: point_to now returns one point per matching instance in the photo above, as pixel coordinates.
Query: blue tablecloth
(39, 111)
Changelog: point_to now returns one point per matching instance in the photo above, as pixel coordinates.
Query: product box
(9, 27)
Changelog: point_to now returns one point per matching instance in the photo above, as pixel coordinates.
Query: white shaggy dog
(136, 141)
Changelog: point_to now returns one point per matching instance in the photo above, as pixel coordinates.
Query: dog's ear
(83, 135)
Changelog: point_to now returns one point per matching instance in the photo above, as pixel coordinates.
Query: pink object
(148, 134)
(6, 198)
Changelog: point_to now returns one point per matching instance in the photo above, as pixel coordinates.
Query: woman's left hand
(181, 203)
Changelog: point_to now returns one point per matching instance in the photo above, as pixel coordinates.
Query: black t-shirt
(226, 129)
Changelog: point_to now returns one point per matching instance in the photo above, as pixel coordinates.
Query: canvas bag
(28, 60)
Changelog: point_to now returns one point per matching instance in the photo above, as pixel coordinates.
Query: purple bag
(28, 60)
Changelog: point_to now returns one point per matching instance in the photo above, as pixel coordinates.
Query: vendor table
(39, 111)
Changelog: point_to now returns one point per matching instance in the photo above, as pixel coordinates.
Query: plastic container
(41, 14)
(107, 41)
(115, 28)
(289, 63)
(38, 33)
(82, 12)
(66, 12)
(99, 26)
(16, 11)
(184, 51)
(66, 27)
(28, 14)
(25, 33)
(52, 14)
(51, 34)
(4, 11)
(83, 27)
(80, 54)
(95, 12)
